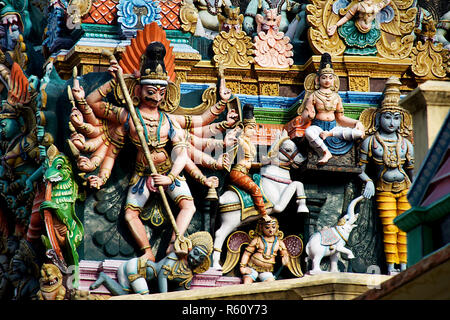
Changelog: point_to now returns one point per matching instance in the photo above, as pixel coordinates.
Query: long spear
(182, 244)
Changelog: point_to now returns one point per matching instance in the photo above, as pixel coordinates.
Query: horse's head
(285, 152)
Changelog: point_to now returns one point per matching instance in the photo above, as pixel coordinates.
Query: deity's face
(326, 80)
(250, 130)
(390, 121)
(9, 128)
(196, 257)
(152, 95)
(270, 229)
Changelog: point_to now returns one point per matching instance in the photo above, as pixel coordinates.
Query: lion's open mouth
(51, 282)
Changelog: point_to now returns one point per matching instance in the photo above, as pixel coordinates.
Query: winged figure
(263, 245)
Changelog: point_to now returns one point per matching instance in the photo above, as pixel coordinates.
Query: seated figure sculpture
(323, 106)
(246, 154)
(259, 256)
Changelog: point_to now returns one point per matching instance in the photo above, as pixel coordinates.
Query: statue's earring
(136, 101)
(316, 83)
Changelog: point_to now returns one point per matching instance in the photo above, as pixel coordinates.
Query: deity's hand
(361, 127)
(224, 92)
(369, 190)
(28, 186)
(245, 270)
(232, 117)
(85, 164)
(331, 30)
(161, 180)
(76, 117)
(114, 68)
(78, 140)
(285, 260)
(230, 139)
(96, 182)
(265, 160)
(224, 161)
(14, 186)
(212, 182)
(78, 93)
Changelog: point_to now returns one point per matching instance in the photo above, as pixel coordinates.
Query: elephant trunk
(351, 207)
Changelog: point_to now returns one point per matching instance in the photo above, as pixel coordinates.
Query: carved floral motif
(233, 48)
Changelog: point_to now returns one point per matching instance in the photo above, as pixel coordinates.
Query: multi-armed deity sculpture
(61, 140)
(158, 136)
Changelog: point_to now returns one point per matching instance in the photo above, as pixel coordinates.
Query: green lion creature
(64, 229)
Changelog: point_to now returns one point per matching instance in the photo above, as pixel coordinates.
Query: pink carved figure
(272, 48)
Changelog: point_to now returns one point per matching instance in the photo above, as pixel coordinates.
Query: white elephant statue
(331, 241)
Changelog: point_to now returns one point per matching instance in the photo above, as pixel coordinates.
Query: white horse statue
(276, 186)
(331, 241)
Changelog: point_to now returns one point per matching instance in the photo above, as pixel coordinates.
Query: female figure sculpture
(362, 33)
(323, 106)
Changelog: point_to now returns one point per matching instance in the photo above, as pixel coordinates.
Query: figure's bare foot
(267, 218)
(327, 156)
(325, 134)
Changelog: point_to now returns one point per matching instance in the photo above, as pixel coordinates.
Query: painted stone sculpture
(22, 136)
(361, 34)
(283, 7)
(135, 14)
(153, 131)
(442, 28)
(362, 27)
(232, 47)
(322, 106)
(263, 245)
(51, 283)
(134, 275)
(64, 229)
(390, 151)
(202, 17)
(236, 207)
(272, 47)
(24, 272)
(246, 152)
(331, 241)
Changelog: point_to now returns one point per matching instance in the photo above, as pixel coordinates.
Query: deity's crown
(326, 66)
(391, 96)
(153, 69)
(203, 241)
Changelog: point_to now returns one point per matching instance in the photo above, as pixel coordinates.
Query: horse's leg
(301, 198)
(285, 197)
(229, 222)
(296, 187)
